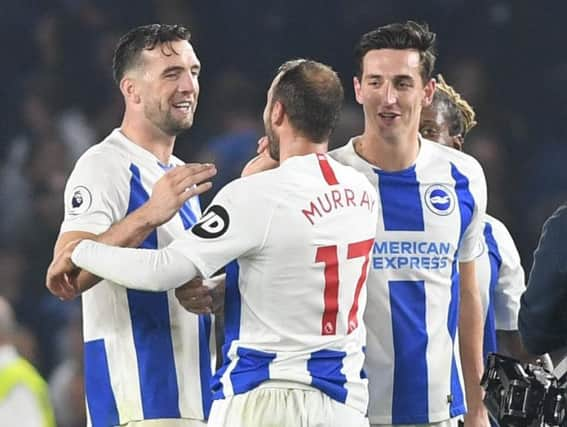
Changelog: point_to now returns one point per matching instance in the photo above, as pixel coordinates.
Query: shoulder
(252, 188)
(106, 156)
(344, 154)
(463, 162)
(350, 174)
(497, 226)
(557, 222)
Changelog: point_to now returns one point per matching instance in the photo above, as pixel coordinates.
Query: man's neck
(299, 146)
(149, 138)
(390, 156)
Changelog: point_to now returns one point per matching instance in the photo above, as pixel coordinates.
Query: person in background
(24, 397)
(447, 120)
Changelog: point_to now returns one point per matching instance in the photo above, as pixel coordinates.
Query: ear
(129, 90)
(357, 89)
(277, 114)
(458, 142)
(429, 90)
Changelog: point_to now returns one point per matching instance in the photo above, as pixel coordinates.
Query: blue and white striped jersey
(146, 357)
(501, 280)
(429, 219)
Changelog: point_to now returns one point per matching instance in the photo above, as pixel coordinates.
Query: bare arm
(168, 195)
(470, 339)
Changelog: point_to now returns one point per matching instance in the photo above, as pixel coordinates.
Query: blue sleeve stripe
(465, 198)
(98, 389)
(457, 405)
(401, 201)
(410, 393)
(495, 259)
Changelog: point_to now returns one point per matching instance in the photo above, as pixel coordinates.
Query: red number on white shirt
(329, 256)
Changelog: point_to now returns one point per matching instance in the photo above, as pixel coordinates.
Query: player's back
(295, 301)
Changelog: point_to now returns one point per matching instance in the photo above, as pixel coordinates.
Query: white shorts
(284, 404)
(166, 423)
(452, 422)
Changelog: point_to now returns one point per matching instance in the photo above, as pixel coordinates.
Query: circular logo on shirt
(439, 199)
(81, 200)
(213, 223)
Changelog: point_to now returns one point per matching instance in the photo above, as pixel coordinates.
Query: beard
(166, 122)
(273, 145)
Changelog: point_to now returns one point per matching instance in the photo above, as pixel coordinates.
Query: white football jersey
(297, 241)
(146, 357)
(429, 219)
(501, 280)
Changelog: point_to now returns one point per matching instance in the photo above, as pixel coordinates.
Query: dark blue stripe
(465, 198)
(139, 196)
(188, 217)
(363, 374)
(252, 369)
(325, 368)
(490, 343)
(410, 403)
(205, 363)
(151, 330)
(231, 323)
(98, 389)
(457, 405)
(401, 201)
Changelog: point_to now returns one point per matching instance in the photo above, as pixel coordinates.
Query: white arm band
(142, 269)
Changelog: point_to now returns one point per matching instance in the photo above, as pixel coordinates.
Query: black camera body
(523, 395)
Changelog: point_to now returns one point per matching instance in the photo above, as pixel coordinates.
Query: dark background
(507, 58)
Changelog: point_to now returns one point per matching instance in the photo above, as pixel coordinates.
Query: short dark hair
(312, 96)
(402, 36)
(146, 37)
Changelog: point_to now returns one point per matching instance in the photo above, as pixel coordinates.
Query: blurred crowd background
(506, 57)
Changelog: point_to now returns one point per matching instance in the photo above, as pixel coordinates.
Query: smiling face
(392, 93)
(168, 86)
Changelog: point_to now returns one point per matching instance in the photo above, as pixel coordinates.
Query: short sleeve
(511, 280)
(471, 242)
(96, 194)
(235, 224)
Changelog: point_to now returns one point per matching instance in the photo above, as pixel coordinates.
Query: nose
(188, 83)
(390, 93)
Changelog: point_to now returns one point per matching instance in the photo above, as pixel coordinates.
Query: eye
(429, 132)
